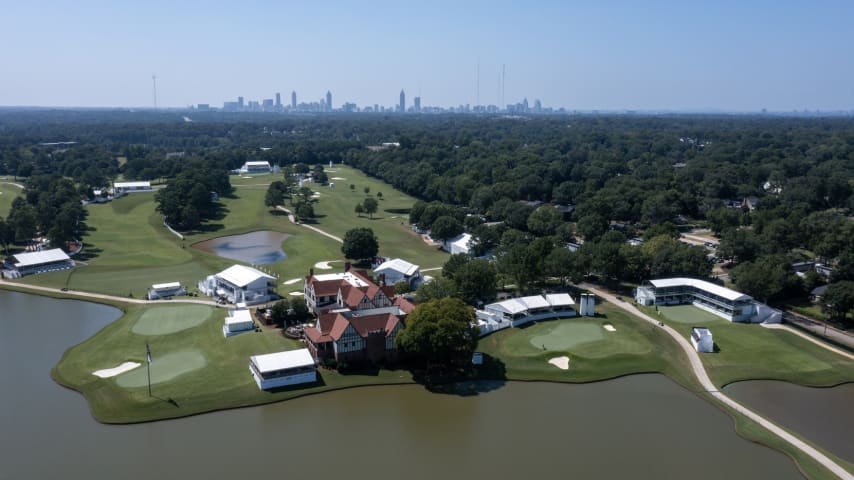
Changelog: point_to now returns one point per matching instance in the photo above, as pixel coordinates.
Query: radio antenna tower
(502, 86)
(477, 100)
(154, 88)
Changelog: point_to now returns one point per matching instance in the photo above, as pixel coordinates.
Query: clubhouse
(357, 319)
(281, 369)
(38, 262)
(721, 301)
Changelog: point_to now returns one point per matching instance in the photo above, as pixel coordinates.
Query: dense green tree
(476, 280)
(446, 228)
(766, 278)
(739, 244)
(360, 243)
(360, 209)
(439, 332)
(453, 264)
(722, 218)
(838, 300)
(370, 206)
(435, 289)
(591, 227)
(280, 312)
(544, 221)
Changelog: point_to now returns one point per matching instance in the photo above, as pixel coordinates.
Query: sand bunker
(112, 372)
(296, 294)
(338, 178)
(325, 265)
(609, 327)
(292, 281)
(560, 362)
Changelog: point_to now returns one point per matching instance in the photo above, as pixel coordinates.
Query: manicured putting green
(689, 314)
(165, 320)
(566, 334)
(163, 368)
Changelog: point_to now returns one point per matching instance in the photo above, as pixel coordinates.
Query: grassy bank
(194, 369)
(751, 352)
(7, 194)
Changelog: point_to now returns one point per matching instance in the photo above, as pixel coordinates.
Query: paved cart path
(77, 293)
(293, 220)
(706, 382)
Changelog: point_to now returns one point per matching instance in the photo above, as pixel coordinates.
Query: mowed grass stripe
(749, 351)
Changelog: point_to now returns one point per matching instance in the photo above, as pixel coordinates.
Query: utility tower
(154, 89)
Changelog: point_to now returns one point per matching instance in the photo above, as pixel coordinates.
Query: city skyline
(666, 55)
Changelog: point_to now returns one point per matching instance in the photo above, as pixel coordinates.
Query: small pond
(257, 248)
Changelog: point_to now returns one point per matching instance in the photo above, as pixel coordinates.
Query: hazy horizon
(666, 55)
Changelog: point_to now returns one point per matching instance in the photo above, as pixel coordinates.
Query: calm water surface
(637, 427)
(258, 248)
(823, 415)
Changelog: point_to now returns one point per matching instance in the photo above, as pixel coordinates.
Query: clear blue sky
(729, 55)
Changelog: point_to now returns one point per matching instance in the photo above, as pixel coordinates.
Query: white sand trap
(560, 362)
(325, 265)
(609, 327)
(315, 195)
(245, 177)
(292, 281)
(338, 178)
(112, 372)
(296, 294)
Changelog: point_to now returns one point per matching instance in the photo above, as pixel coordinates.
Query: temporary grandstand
(38, 262)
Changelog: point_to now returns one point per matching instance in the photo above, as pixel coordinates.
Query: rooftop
(39, 258)
(131, 184)
(709, 287)
(398, 265)
(272, 362)
(166, 286)
(242, 276)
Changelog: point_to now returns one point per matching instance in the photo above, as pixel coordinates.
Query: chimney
(347, 266)
(382, 279)
(310, 272)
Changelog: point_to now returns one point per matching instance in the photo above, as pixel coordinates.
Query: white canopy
(709, 287)
(272, 362)
(166, 286)
(242, 276)
(397, 265)
(40, 258)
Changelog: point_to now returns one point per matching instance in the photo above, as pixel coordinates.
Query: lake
(642, 426)
(256, 248)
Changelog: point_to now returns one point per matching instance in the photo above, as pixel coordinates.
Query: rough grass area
(194, 370)
(170, 319)
(750, 351)
(636, 347)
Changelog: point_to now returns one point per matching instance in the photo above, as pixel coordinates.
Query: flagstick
(149, 379)
(148, 366)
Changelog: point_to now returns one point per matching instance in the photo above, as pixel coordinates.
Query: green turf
(7, 194)
(163, 320)
(163, 369)
(750, 351)
(223, 381)
(595, 354)
(566, 334)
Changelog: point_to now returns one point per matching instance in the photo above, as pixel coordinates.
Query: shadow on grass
(89, 252)
(300, 386)
(398, 211)
(466, 381)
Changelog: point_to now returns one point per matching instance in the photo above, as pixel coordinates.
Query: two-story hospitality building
(723, 302)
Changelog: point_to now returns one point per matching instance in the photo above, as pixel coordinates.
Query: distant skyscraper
(328, 101)
(240, 102)
(417, 104)
(402, 101)
(294, 99)
(278, 100)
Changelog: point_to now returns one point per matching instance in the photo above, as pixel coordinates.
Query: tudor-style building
(357, 320)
